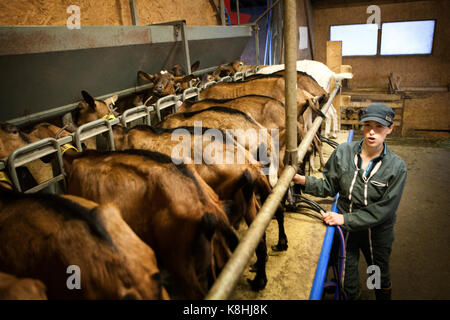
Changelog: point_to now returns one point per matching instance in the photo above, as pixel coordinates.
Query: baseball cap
(380, 113)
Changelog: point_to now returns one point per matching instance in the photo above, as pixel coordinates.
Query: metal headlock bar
(136, 113)
(238, 76)
(31, 152)
(226, 79)
(190, 93)
(94, 128)
(165, 102)
(209, 84)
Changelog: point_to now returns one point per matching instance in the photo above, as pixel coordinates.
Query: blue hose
(322, 265)
(226, 12)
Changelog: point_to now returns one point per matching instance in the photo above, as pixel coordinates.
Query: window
(410, 37)
(357, 39)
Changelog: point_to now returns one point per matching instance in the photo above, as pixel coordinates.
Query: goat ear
(145, 76)
(195, 66)
(112, 100)
(185, 78)
(89, 99)
(216, 72)
(176, 70)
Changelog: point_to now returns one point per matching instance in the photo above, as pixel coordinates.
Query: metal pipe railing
(234, 268)
(134, 13)
(238, 14)
(318, 121)
(265, 12)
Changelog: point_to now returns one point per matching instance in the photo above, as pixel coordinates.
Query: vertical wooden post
(334, 62)
(222, 12)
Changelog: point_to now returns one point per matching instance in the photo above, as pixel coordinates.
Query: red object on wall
(243, 17)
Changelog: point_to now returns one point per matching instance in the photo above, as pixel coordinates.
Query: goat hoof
(258, 283)
(280, 247)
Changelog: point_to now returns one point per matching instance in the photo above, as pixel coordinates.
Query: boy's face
(375, 133)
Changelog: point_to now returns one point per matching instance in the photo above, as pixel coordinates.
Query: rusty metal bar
(318, 121)
(134, 13)
(256, 30)
(237, 10)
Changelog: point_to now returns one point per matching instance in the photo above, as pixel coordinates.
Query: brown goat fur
(13, 288)
(91, 109)
(12, 138)
(245, 129)
(233, 181)
(170, 207)
(269, 86)
(44, 234)
(267, 111)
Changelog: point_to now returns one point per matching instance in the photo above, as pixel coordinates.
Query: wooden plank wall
(106, 12)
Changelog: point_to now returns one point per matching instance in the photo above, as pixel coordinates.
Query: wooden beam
(334, 63)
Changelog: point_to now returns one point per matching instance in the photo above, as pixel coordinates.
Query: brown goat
(166, 83)
(91, 109)
(12, 138)
(267, 111)
(231, 181)
(43, 234)
(246, 130)
(169, 206)
(271, 86)
(13, 288)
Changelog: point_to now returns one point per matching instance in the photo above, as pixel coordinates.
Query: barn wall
(106, 12)
(414, 71)
(304, 19)
(372, 72)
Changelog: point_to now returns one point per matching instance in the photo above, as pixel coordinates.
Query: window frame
(379, 34)
(408, 54)
(357, 24)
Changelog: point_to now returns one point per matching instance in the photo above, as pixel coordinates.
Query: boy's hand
(333, 219)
